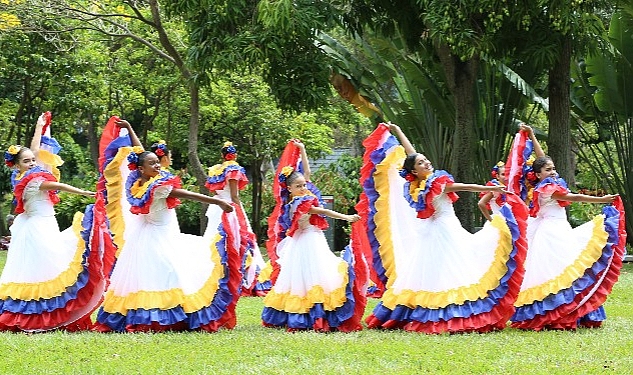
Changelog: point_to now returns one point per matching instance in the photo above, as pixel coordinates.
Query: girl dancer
(226, 180)
(51, 279)
(314, 288)
(486, 201)
(439, 277)
(163, 279)
(569, 272)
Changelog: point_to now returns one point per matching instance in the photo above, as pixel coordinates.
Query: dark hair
(409, 162)
(292, 177)
(540, 162)
(142, 156)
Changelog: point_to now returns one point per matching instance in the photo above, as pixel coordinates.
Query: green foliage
(69, 205)
(274, 36)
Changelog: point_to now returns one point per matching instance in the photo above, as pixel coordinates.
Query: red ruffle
(172, 202)
(18, 191)
(548, 189)
(85, 296)
(437, 187)
(566, 317)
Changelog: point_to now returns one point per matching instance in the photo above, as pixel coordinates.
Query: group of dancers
(126, 256)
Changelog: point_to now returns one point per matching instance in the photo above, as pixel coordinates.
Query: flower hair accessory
(9, 155)
(132, 158)
(161, 148)
(495, 169)
(407, 175)
(230, 152)
(283, 175)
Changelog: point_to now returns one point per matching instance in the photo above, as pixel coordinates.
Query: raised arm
(408, 147)
(133, 137)
(304, 159)
(186, 194)
(37, 135)
(538, 150)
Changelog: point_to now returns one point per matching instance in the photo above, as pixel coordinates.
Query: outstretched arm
(483, 205)
(124, 124)
(538, 150)
(186, 194)
(333, 214)
(304, 159)
(456, 186)
(37, 135)
(408, 147)
(51, 185)
(571, 197)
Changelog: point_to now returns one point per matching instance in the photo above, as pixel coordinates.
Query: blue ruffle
(221, 177)
(307, 320)
(52, 143)
(147, 196)
(213, 312)
(59, 302)
(588, 280)
(420, 205)
(597, 315)
(376, 157)
(468, 308)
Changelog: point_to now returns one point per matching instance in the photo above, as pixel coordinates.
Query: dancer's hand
(352, 218)
(225, 206)
(122, 124)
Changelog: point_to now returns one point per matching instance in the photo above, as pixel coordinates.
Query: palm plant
(603, 101)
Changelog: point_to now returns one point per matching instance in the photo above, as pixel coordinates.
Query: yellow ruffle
(51, 160)
(489, 281)
(115, 187)
(302, 304)
(590, 254)
(218, 169)
(171, 298)
(383, 210)
(265, 273)
(138, 190)
(55, 287)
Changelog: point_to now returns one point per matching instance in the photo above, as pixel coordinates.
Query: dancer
(486, 202)
(162, 279)
(438, 276)
(226, 180)
(569, 272)
(313, 288)
(51, 279)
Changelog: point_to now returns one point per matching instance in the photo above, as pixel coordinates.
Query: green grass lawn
(252, 349)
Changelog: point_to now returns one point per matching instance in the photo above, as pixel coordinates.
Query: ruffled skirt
(452, 280)
(569, 272)
(51, 279)
(167, 280)
(314, 289)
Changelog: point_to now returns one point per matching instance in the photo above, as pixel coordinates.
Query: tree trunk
(256, 197)
(196, 168)
(461, 77)
(559, 138)
(93, 141)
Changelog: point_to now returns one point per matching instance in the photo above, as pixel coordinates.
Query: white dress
(568, 271)
(438, 276)
(51, 278)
